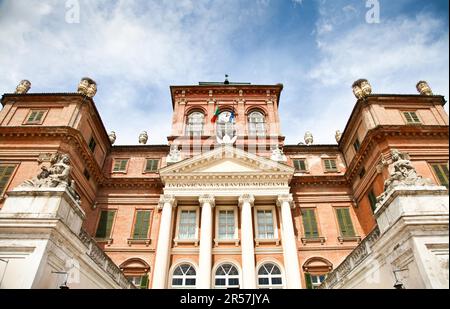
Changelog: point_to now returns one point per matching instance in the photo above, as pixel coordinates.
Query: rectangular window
(265, 224)
(226, 224)
(330, 165)
(151, 165)
(92, 144)
(300, 165)
(6, 172)
(188, 224)
(411, 117)
(105, 224)
(310, 223)
(345, 222)
(141, 224)
(120, 165)
(36, 116)
(356, 145)
(441, 172)
(372, 199)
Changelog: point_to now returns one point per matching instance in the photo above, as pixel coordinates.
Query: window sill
(107, 241)
(343, 239)
(119, 172)
(331, 171)
(186, 241)
(307, 240)
(226, 241)
(145, 241)
(259, 241)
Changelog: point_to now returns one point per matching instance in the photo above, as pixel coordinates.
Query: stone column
(247, 245)
(290, 252)
(166, 202)
(205, 258)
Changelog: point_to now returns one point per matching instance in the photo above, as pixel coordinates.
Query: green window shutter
(32, 116)
(39, 116)
(144, 282)
(310, 223)
(373, 200)
(441, 171)
(120, 165)
(5, 174)
(308, 281)
(105, 224)
(152, 165)
(123, 165)
(141, 224)
(345, 222)
(415, 118)
(300, 165)
(330, 165)
(408, 117)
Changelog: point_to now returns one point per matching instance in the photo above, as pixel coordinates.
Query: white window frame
(235, 238)
(314, 284)
(270, 286)
(226, 286)
(171, 276)
(194, 240)
(275, 225)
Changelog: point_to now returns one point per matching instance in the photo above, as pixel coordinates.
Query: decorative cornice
(246, 199)
(207, 199)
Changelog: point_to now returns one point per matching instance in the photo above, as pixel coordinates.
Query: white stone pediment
(226, 161)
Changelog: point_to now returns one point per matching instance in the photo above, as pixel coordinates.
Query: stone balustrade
(103, 261)
(354, 259)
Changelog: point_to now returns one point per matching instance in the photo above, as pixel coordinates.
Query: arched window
(316, 270)
(269, 276)
(137, 271)
(256, 124)
(227, 276)
(225, 124)
(184, 276)
(194, 126)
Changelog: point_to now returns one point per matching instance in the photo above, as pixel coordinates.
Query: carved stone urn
(23, 87)
(338, 136)
(309, 139)
(112, 137)
(88, 87)
(361, 88)
(143, 138)
(423, 88)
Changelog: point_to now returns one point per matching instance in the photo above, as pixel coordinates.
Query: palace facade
(226, 203)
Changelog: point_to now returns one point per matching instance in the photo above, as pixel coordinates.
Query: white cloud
(393, 55)
(133, 49)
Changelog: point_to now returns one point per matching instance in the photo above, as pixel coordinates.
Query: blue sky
(136, 49)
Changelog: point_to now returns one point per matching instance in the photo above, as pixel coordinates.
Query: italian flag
(216, 114)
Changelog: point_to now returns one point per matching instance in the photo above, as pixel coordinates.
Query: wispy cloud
(135, 49)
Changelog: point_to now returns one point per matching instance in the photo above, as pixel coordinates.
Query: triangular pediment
(226, 160)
